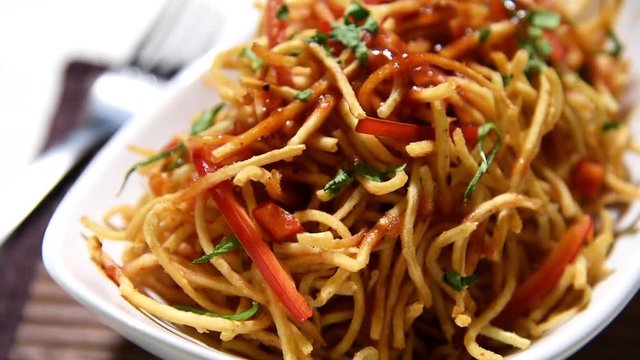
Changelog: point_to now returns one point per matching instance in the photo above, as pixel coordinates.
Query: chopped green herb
(534, 66)
(534, 31)
(256, 62)
(483, 34)
(458, 282)
(369, 172)
(177, 162)
(227, 244)
(610, 125)
(531, 38)
(349, 36)
(483, 131)
(342, 179)
(616, 45)
(506, 79)
(283, 12)
(176, 150)
(355, 13)
(528, 44)
(543, 47)
(206, 119)
(303, 95)
(295, 53)
(370, 25)
(348, 33)
(247, 314)
(320, 38)
(544, 19)
(345, 176)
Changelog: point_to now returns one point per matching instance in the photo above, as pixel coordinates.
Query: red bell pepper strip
(587, 179)
(251, 240)
(408, 132)
(542, 281)
(497, 10)
(558, 52)
(274, 27)
(277, 222)
(276, 33)
(324, 26)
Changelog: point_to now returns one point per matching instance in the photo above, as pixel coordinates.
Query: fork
(180, 33)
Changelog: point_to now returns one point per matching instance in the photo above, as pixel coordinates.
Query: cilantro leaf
(247, 314)
(206, 119)
(532, 39)
(320, 38)
(483, 131)
(506, 79)
(345, 176)
(342, 179)
(348, 33)
(355, 13)
(610, 125)
(534, 65)
(303, 95)
(360, 51)
(534, 31)
(349, 36)
(543, 47)
(370, 25)
(458, 282)
(256, 62)
(545, 19)
(177, 162)
(483, 34)
(369, 172)
(227, 244)
(283, 12)
(616, 45)
(178, 149)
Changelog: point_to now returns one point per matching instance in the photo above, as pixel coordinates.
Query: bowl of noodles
(371, 180)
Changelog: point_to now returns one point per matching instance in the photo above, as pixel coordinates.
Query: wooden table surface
(53, 326)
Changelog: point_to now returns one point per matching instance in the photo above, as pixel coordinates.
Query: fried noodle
(447, 174)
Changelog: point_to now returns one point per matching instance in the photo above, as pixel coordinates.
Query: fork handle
(27, 188)
(118, 94)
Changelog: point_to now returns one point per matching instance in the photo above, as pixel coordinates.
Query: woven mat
(53, 326)
(39, 321)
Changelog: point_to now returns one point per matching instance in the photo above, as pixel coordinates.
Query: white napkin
(37, 39)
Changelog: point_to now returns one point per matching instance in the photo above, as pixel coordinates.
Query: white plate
(67, 260)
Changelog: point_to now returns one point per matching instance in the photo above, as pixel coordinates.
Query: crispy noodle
(448, 167)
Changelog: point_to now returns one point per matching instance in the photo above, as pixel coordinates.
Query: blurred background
(38, 38)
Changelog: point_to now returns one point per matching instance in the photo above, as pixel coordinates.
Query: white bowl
(67, 260)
